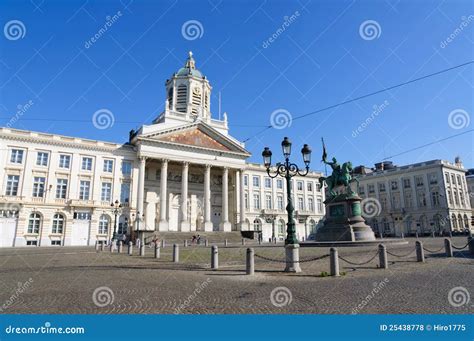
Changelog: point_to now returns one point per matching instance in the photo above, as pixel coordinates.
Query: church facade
(182, 173)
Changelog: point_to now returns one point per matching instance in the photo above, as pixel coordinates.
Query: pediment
(196, 138)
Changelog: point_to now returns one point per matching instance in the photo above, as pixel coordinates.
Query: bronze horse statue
(341, 175)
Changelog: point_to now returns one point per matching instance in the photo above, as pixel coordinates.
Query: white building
(182, 173)
(421, 197)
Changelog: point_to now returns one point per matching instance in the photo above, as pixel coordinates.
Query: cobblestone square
(81, 280)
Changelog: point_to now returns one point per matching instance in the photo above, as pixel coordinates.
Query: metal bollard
(163, 243)
(243, 241)
(259, 241)
(175, 253)
(403, 235)
(185, 243)
(225, 243)
(250, 263)
(214, 257)
(432, 234)
(130, 248)
(142, 250)
(420, 253)
(383, 257)
(334, 262)
(450, 234)
(102, 246)
(274, 240)
(157, 251)
(120, 247)
(416, 235)
(470, 240)
(112, 246)
(448, 247)
(206, 243)
(97, 245)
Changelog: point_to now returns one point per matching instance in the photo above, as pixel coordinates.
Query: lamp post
(116, 210)
(288, 170)
(137, 220)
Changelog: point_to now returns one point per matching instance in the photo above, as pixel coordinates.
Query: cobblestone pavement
(81, 280)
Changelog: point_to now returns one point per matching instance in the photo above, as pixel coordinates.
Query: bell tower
(188, 93)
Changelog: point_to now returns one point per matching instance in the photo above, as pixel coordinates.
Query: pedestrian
(198, 239)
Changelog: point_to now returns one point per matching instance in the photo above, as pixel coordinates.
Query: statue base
(344, 221)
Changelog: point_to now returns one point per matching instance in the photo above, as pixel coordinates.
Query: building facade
(418, 198)
(182, 173)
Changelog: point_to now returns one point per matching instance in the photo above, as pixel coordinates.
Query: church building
(182, 173)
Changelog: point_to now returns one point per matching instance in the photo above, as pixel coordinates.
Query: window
(300, 203)
(42, 159)
(406, 183)
(55, 243)
(279, 183)
(461, 197)
(319, 203)
(106, 193)
(299, 185)
(125, 192)
(58, 223)
(446, 176)
(181, 98)
(256, 201)
(310, 204)
(108, 166)
(459, 180)
(422, 199)
(64, 161)
(268, 202)
(433, 179)
(381, 187)
(408, 200)
(394, 185)
(104, 222)
(12, 185)
(281, 227)
(86, 163)
(362, 189)
(126, 168)
(419, 181)
(268, 183)
(246, 198)
(82, 216)
(309, 186)
(318, 187)
(280, 202)
(246, 180)
(256, 181)
(16, 156)
(456, 199)
(435, 198)
(38, 186)
(84, 190)
(34, 223)
(450, 197)
(453, 179)
(257, 225)
(371, 188)
(61, 188)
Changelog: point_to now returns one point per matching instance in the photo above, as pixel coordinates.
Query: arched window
(460, 222)
(312, 226)
(466, 222)
(281, 227)
(182, 98)
(453, 222)
(123, 224)
(170, 98)
(58, 223)
(34, 223)
(257, 225)
(104, 223)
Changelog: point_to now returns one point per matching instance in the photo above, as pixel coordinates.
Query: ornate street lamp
(288, 170)
(116, 210)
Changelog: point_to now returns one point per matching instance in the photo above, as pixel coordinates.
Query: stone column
(141, 190)
(163, 224)
(243, 224)
(207, 200)
(225, 224)
(184, 224)
(237, 196)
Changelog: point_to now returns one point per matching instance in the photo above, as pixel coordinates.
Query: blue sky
(322, 57)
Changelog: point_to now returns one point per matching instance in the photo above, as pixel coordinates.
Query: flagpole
(324, 151)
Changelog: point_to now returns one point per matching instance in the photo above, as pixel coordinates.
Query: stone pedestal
(292, 258)
(343, 221)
